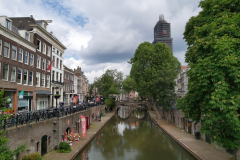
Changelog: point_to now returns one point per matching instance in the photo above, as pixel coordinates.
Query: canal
(132, 135)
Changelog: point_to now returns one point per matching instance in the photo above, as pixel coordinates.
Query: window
(26, 57)
(49, 51)
(64, 76)
(19, 78)
(14, 52)
(37, 79)
(43, 80)
(25, 77)
(56, 76)
(54, 50)
(31, 59)
(60, 54)
(38, 61)
(53, 64)
(57, 62)
(6, 49)
(20, 55)
(26, 35)
(60, 64)
(44, 48)
(31, 78)
(48, 81)
(39, 45)
(43, 63)
(57, 52)
(13, 74)
(5, 71)
(0, 46)
(67, 77)
(60, 77)
(8, 24)
(53, 73)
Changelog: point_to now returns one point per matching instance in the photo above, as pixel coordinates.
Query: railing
(21, 118)
(57, 82)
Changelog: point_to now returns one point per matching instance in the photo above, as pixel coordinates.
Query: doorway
(29, 104)
(44, 145)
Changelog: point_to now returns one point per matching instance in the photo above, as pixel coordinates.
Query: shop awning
(43, 92)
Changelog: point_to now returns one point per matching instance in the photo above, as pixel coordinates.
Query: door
(44, 145)
(29, 104)
(208, 138)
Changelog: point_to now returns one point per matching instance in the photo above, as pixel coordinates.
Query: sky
(104, 34)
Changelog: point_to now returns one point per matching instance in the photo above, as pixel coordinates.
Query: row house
(25, 53)
(68, 85)
(75, 83)
(57, 72)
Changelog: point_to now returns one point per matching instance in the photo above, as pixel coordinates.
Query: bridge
(134, 105)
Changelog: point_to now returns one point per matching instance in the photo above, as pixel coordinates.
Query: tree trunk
(155, 108)
(236, 154)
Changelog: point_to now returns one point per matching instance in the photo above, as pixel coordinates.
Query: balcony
(57, 82)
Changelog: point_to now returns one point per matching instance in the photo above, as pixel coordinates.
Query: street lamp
(57, 95)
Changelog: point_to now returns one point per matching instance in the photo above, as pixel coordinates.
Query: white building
(57, 72)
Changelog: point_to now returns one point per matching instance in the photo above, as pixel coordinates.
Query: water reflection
(134, 138)
(124, 112)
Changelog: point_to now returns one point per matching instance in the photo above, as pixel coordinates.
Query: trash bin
(197, 135)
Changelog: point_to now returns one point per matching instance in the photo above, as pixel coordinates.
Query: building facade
(68, 85)
(162, 32)
(57, 72)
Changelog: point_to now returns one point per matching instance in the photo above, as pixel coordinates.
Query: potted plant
(56, 96)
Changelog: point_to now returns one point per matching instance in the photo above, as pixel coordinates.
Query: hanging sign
(84, 133)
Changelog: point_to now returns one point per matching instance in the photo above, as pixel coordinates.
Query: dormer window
(8, 24)
(26, 35)
(39, 45)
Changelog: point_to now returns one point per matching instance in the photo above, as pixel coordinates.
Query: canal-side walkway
(198, 148)
(78, 146)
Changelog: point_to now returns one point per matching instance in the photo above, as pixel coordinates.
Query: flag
(50, 66)
(155, 34)
(84, 125)
(20, 95)
(164, 32)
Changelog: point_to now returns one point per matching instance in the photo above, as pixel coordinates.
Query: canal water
(132, 135)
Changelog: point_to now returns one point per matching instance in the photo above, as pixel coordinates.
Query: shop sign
(68, 122)
(84, 133)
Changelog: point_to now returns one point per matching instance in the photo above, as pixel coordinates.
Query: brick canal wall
(52, 130)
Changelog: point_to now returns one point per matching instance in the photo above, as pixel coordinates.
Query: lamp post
(57, 95)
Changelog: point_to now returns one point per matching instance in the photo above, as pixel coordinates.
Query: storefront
(25, 102)
(42, 99)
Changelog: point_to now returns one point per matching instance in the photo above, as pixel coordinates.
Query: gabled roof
(23, 22)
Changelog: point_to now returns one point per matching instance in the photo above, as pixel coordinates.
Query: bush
(32, 156)
(64, 147)
(110, 103)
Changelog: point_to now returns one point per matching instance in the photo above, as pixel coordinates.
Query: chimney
(31, 16)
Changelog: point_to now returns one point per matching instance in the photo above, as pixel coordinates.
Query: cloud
(105, 34)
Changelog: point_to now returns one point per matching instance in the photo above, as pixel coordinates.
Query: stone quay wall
(31, 135)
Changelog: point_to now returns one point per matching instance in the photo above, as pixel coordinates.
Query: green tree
(128, 84)
(109, 83)
(91, 89)
(5, 152)
(154, 69)
(213, 96)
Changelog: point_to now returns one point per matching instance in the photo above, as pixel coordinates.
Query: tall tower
(162, 32)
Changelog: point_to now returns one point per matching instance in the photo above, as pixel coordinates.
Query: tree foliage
(5, 152)
(109, 83)
(109, 102)
(214, 79)
(154, 69)
(129, 84)
(91, 89)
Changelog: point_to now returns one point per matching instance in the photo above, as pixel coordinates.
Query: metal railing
(26, 118)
